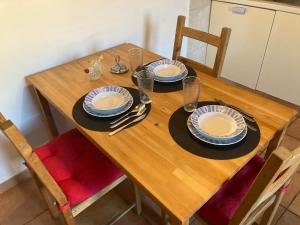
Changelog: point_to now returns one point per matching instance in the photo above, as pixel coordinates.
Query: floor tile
(288, 218)
(104, 209)
(43, 219)
(294, 129)
(278, 214)
(290, 142)
(295, 206)
(132, 218)
(21, 204)
(292, 191)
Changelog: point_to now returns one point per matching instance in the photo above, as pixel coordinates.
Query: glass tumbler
(135, 59)
(145, 84)
(191, 92)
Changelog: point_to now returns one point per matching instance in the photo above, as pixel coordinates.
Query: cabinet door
(249, 36)
(280, 74)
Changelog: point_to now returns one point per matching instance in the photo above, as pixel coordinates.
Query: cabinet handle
(239, 10)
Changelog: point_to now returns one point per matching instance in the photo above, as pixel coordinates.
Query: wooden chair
(70, 172)
(257, 189)
(219, 42)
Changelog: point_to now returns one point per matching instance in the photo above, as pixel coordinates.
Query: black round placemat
(102, 124)
(181, 134)
(160, 87)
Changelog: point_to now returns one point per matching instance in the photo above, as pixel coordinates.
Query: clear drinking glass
(145, 83)
(135, 59)
(191, 91)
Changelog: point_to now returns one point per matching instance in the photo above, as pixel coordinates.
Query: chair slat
(276, 173)
(200, 35)
(222, 48)
(219, 42)
(196, 65)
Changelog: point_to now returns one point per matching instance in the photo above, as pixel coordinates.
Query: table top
(179, 181)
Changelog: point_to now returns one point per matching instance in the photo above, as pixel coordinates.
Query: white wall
(39, 34)
(198, 19)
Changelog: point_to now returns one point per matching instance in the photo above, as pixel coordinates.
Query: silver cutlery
(246, 115)
(127, 124)
(135, 109)
(140, 112)
(251, 127)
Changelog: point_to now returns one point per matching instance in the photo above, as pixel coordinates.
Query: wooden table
(179, 181)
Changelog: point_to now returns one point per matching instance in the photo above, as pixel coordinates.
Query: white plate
(167, 70)
(215, 141)
(108, 99)
(218, 121)
(99, 114)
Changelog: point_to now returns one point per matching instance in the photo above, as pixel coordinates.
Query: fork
(126, 125)
(244, 114)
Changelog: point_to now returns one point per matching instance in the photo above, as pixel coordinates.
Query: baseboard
(19, 178)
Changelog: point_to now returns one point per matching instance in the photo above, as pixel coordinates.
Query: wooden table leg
(44, 104)
(275, 142)
(175, 221)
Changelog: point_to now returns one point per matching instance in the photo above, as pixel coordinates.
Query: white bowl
(218, 121)
(108, 99)
(167, 70)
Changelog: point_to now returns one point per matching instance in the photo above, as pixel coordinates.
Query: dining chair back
(219, 42)
(42, 165)
(265, 193)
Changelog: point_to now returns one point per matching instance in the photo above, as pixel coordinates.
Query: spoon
(139, 113)
(135, 109)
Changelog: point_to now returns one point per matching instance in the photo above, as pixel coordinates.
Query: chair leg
(269, 214)
(165, 217)
(48, 198)
(51, 203)
(138, 201)
(67, 218)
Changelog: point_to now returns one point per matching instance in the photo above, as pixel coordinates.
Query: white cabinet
(249, 36)
(280, 74)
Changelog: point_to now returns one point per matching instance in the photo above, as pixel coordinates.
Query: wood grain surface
(179, 181)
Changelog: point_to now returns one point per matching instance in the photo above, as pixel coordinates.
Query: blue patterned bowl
(215, 141)
(168, 65)
(218, 121)
(107, 100)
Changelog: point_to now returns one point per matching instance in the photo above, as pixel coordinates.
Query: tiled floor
(23, 205)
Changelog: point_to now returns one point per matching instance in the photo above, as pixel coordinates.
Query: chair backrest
(219, 42)
(32, 160)
(268, 185)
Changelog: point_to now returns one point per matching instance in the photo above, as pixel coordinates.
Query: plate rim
(96, 114)
(89, 103)
(195, 116)
(194, 133)
(183, 73)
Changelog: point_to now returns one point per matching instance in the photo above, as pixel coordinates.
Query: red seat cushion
(79, 168)
(222, 206)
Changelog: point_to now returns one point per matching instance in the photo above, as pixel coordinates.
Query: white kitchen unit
(264, 47)
(280, 74)
(251, 28)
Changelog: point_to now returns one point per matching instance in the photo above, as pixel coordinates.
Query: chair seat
(223, 205)
(78, 167)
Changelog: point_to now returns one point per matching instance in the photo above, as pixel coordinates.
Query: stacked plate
(217, 125)
(107, 101)
(167, 70)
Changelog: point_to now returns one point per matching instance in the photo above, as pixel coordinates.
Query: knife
(126, 125)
